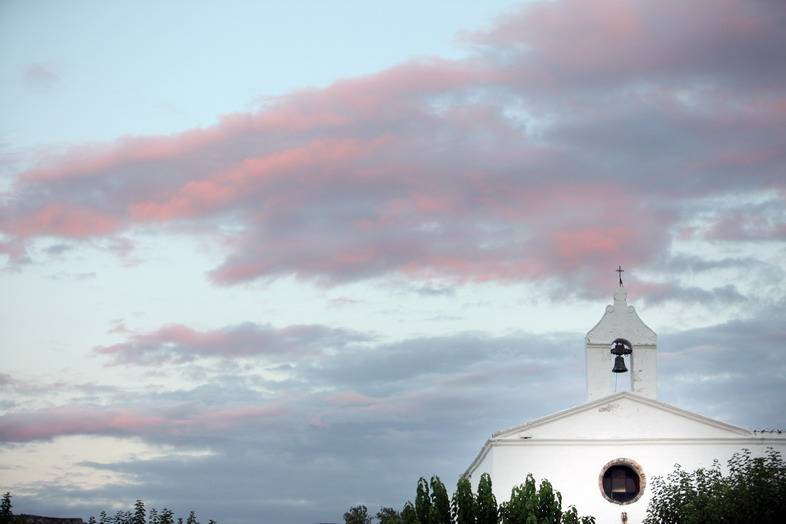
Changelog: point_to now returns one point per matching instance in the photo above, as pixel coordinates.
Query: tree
(486, 503)
(463, 504)
(102, 518)
(152, 516)
(529, 504)
(521, 508)
(549, 508)
(440, 502)
(166, 517)
(753, 491)
(192, 518)
(571, 516)
(423, 502)
(91, 520)
(388, 516)
(139, 513)
(408, 514)
(357, 515)
(6, 515)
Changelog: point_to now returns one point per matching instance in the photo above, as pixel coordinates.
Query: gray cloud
(362, 424)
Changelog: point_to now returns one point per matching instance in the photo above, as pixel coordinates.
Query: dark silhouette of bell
(619, 365)
(621, 347)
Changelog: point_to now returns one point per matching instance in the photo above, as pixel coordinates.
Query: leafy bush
(753, 491)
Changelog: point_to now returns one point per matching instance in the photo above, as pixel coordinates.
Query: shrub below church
(528, 504)
(753, 491)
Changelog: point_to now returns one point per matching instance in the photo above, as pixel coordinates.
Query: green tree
(463, 504)
(423, 502)
(6, 515)
(388, 515)
(486, 510)
(753, 491)
(192, 518)
(571, 516)
(357, 515)
(152, 516)
(139, 513)
(440, 502)
(549, 509)
(521, 508)
(529, 504)
(166, 517)
(408, 514)
(102, 518)
(91, 520)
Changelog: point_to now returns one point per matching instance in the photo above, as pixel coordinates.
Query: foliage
(388, 516)
(440, 502)
(408, 514)
(423, 502)
(6, 515)
(463, 504)
(139, 513)
(753, 491)
(486, 511)
(357, 515)
(571, 516)
(530, 504)
(166, 517)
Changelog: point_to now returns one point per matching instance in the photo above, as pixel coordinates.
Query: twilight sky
(270, 261)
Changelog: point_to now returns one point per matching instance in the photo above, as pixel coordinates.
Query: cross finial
(620, 271)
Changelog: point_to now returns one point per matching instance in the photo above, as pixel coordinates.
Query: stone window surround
(632, 464)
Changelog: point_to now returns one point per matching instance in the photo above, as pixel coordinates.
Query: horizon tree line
(139, 515)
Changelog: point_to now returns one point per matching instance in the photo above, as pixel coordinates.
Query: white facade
(573, 447)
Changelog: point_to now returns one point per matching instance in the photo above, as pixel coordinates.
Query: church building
(602, 454)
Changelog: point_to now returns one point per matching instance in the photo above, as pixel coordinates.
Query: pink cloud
(178, 344)
(45, 424)
(570, 142)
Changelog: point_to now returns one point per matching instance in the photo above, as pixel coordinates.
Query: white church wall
(575, 468)
(599, 364)
(644, 366)
(623, 417)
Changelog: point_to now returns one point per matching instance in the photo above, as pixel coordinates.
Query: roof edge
(622, 394)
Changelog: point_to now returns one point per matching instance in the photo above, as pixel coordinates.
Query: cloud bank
(575, 135)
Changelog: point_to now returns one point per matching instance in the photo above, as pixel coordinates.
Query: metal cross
(620, 271)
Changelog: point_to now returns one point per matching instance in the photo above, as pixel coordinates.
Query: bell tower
(621, 332)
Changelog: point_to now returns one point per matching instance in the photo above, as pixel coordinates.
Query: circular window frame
(632, 464)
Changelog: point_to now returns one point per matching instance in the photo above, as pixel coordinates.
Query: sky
(270, 260)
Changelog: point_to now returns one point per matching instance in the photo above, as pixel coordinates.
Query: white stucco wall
(574, 468)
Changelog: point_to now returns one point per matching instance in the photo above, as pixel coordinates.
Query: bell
(621, 347)
(619, 365)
